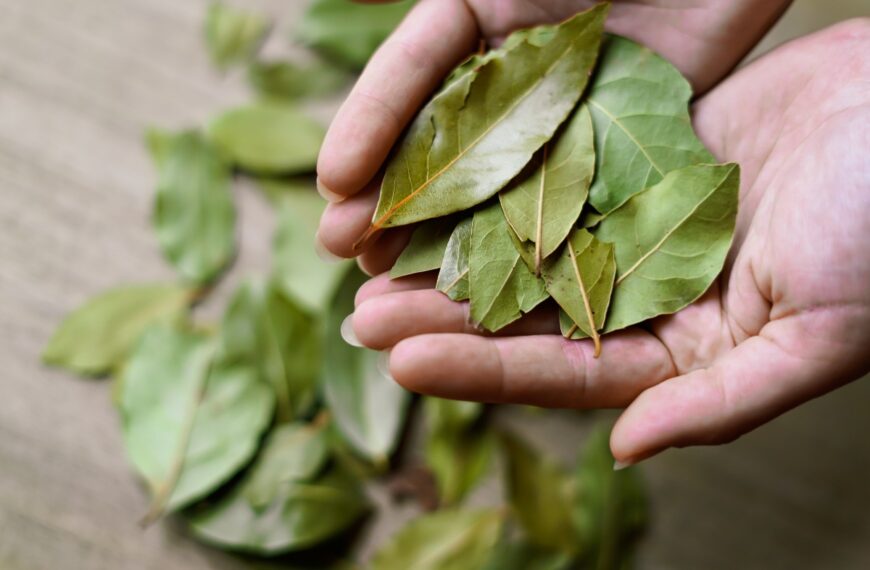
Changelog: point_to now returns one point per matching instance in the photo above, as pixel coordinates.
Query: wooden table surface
(79, 80)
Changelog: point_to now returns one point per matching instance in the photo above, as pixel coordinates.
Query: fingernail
(347, 332)
(323, 253)
(328, 194)
(620, 465)
(383, 364)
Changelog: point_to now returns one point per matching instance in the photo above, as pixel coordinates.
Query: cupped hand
(788, 320)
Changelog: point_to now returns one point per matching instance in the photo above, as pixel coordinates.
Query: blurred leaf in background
(290, 81)
(233, 35)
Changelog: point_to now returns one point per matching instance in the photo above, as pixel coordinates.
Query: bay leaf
(268, 138)
(543, 206)
(501, 287)
(610, 508)
(349, 32)
(289, 81)
(426, 249)
(233, 35)
(640, 112)
(520, 555)
(540, 494)
(296, 267)
(581, 279)
(189, 422)
(450, 539)
(302, 514)
(194, 216)
(453, 276)
(368, 406)
(267, 332)
(478, 133)
(97, 337)
(458, 449)
(671, 242)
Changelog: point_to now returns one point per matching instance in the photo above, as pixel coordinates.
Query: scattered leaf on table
(368, 407)
(609, 508)
(640, 111)
(298, 270)
(445, 540)
(501, 287)
(267, 332)
(520, 555)
(458, 450)
(453, 277)
(194, 216)
(580, 280)
(96, 338)
(479, 132)
(348, 32)
(288, 81)
(426, 249)
(543, 206)
(540, 494)
(300, 514)
(189, 422)
(268, 138)
(671, 241)
(233, 35)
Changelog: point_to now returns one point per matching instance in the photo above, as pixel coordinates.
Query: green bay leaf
(190, 422)
(453, 276)
(640, 111)
(543, 206)
(520, 555)
(581, 279)
(501, 287)
(426, 249)
(479, 132)
(288, 81)
(233, 35)
(194, 216)
(671, 241)
(268, 138)
(450, 539)
(97, 337)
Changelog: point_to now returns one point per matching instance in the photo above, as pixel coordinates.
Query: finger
(402, 73)
(342, 223)
(385, 250)
(757, 381)
(385, 320)
(543, 370)
(382, 284)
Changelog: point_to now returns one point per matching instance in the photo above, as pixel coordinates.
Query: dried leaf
(501, 287)
(233, 35)
(445, 540)
(426, 249)
(543, 206)
(640, 111)
(194, 216)
(288, 81)
(580, 280)
(96, 338)
(268, 138)
(476, 135)
(453, 277)
(671, 242)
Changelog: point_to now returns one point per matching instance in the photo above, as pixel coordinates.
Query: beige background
(79, 80)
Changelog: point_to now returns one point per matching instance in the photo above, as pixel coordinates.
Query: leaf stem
(539, 227)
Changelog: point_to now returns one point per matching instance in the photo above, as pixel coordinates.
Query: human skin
(788, 320)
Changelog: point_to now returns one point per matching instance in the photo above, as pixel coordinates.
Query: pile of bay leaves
(266, 433)
(606, 201)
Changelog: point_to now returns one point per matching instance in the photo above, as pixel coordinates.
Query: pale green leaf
(445, 540)
(479, 132)
(189, 422)
(349, 32)
(501, 287)
(453, 277)
(580, 280)
(543, 205)
(96, 337)
(233, 35)
(521, 555)
(194, 216)
(671, 242)
(298, 270)
(368, 406)
(426, 249)
(640, 111)
(268, 138)
(288, 81)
